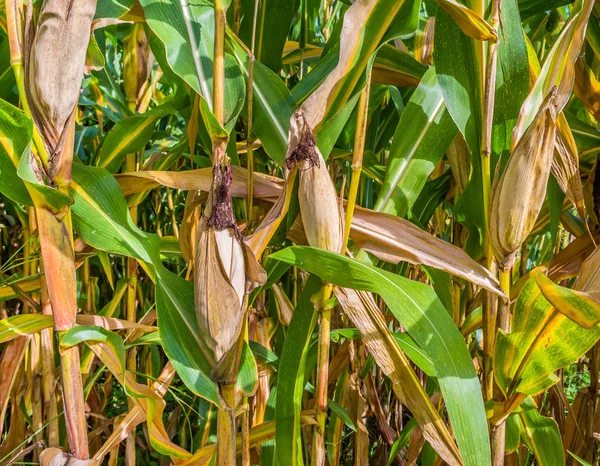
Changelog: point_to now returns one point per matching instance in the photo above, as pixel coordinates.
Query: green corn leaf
(418, 309)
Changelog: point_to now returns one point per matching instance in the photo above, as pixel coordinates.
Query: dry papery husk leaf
(361, 309)
(57, 457)
(285, 309)
(320, 209)
(517, 198)
(53, 76)
(225, 271)
(394, 239)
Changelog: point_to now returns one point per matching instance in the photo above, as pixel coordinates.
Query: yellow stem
(357, 158)
(219, 63)
(250, 154)
(324, 310)
(489, 315)
(226, 427)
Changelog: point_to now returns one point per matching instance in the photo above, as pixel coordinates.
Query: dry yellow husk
(57, 457)
(517, 197)
(54, 76)
(322, 215)
(225, 272)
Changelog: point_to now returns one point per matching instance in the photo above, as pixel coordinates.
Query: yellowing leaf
(558, 68)
(542, 340)
(468, 21)
(581, 307)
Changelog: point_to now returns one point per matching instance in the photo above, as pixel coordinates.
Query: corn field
(300, 232)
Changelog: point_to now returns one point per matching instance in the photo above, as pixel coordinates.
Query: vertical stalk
(503, 322)
(48, 379)
(320, 303)
(219, 63)
(131, 316)
(226, 427)
(73, 402)
(236, 17)
(250, 153)
(56, 234)
(504, 305)
(357, 158)
(489, 315)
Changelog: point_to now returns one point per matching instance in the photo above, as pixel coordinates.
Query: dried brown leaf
(362, 310)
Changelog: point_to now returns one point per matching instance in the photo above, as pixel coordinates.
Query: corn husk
(54, 76)
(517, 198)
(225, 272)
(322, 215)
(57, 457)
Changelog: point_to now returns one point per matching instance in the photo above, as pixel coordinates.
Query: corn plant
(299, 232)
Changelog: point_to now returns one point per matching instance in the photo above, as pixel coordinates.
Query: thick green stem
(489, 315)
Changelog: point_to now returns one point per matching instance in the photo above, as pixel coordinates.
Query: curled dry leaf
(468, 21)
(394, 239)
(558, 70)
(565, 166)
(319, 205)
(517, 198)
(259, 240)
(587, 88)
(591, 195)
(285, 309)
(567, 263)
(225, 271)
(265, 187)
(424, 42)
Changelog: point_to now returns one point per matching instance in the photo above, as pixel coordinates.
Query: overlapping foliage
(299, 232)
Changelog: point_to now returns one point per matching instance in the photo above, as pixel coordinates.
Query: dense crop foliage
(287, 232)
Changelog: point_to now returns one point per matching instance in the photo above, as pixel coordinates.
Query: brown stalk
(50, 98)
(48, 374)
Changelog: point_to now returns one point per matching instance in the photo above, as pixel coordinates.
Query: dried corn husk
(285, 309)
(516, 199)
(54, 76)
(320, 209)
(225, 271)
(57, 457)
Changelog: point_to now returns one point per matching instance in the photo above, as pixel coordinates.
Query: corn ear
(516, 199)
(53, 76)
(321, 212)
(225, 271)
(57, 457)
